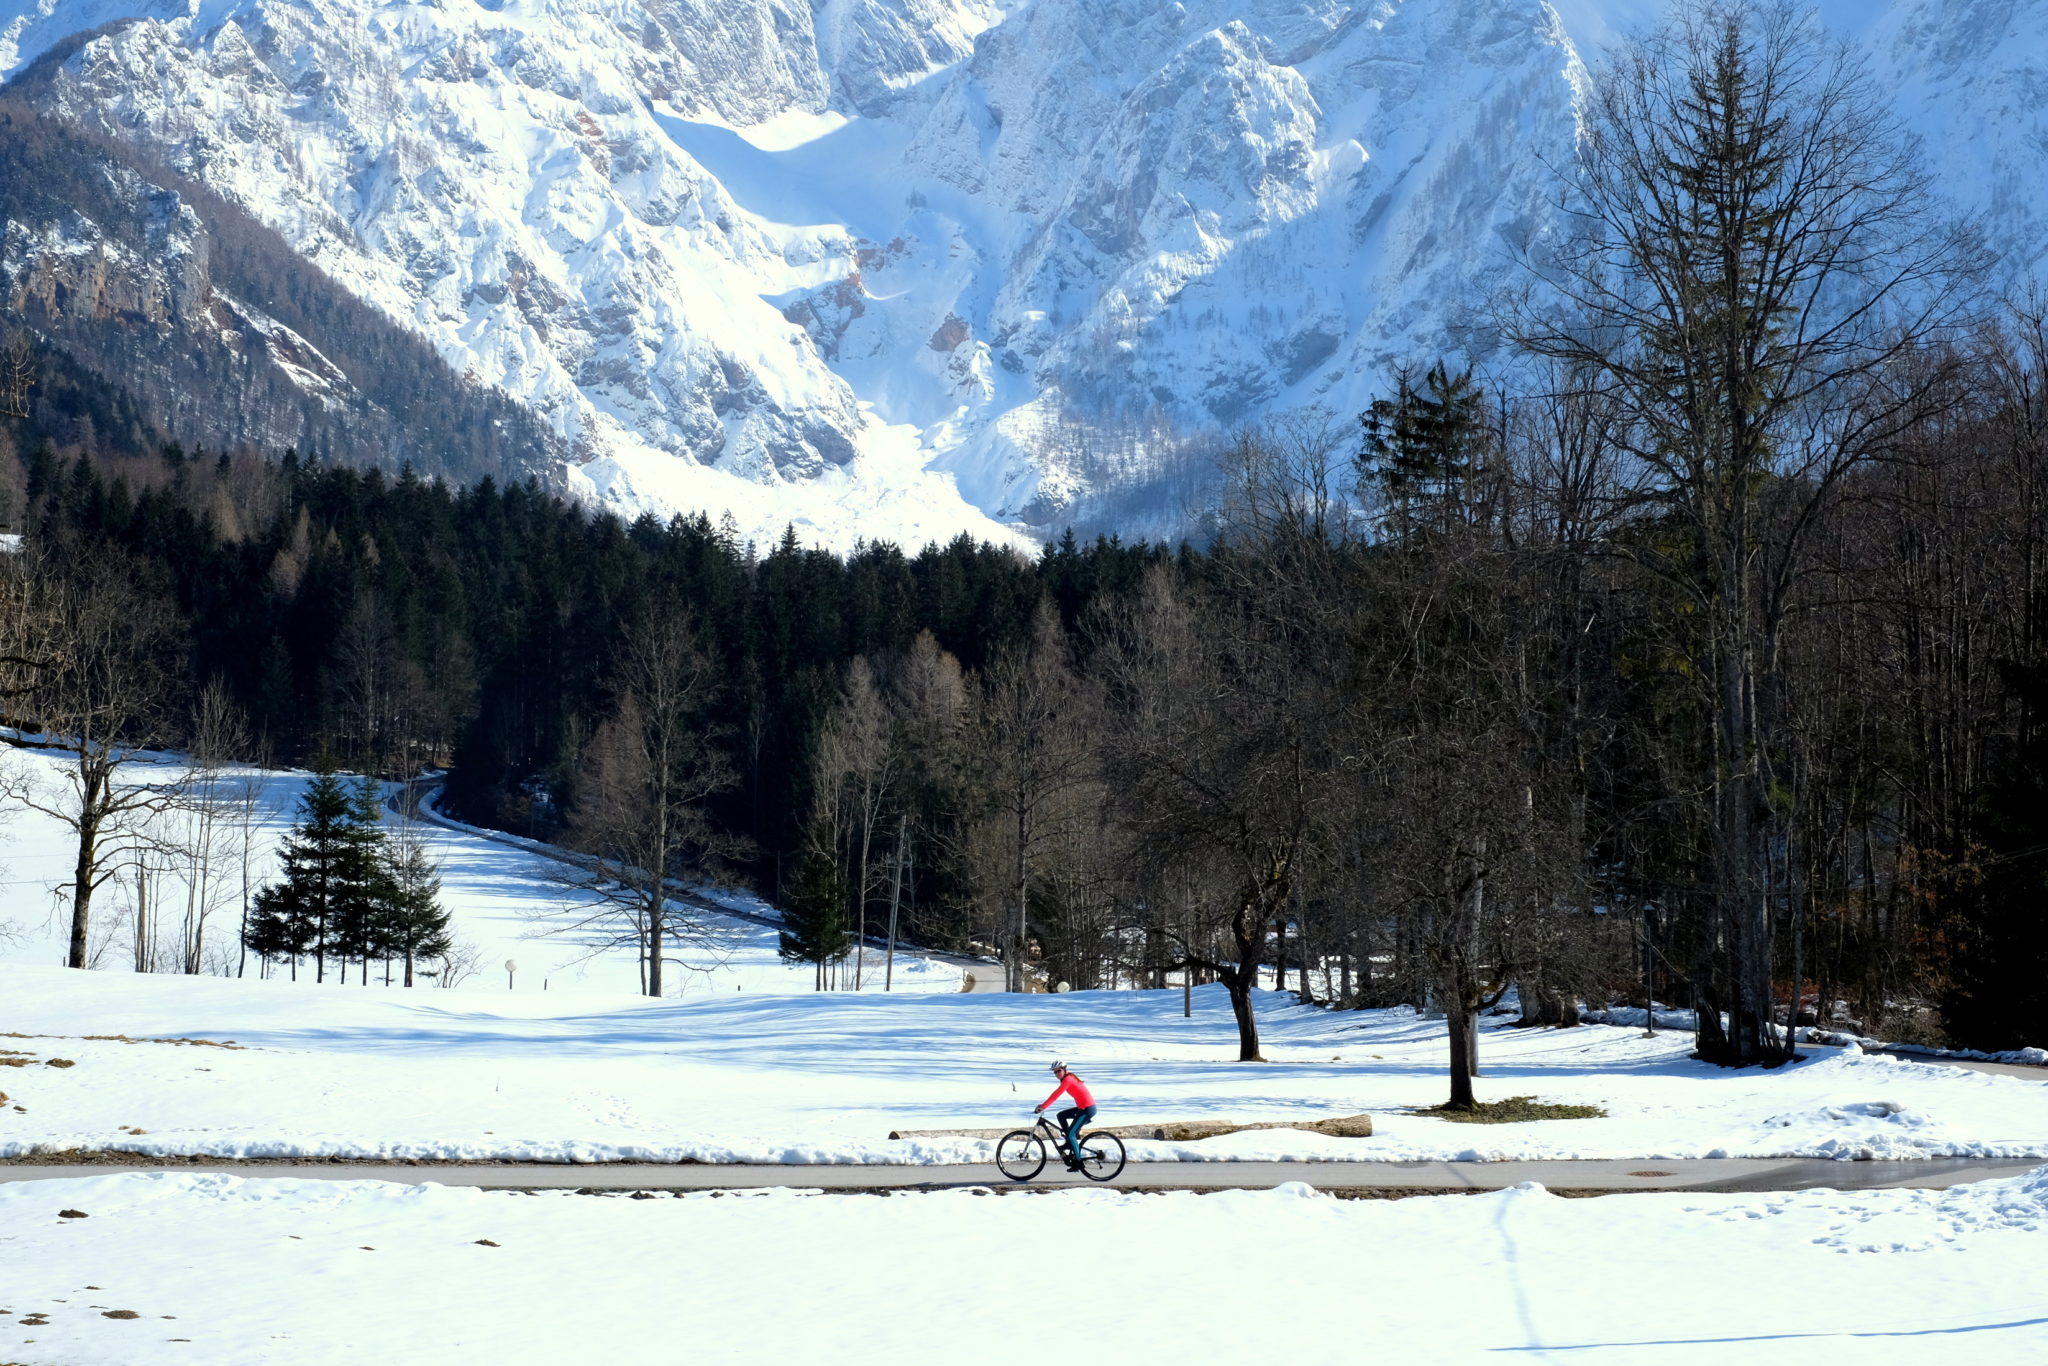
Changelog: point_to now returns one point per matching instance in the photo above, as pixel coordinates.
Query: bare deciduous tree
(641, 799)
(862, 737)
(219, 735)
(1754, 266)
(98, 699)
(1219, 771)
(17, 374)
(1035, 751)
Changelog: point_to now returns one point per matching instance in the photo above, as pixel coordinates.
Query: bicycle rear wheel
(1020, 1154)
(1102, 1155)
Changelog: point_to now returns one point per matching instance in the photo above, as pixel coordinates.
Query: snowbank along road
(1378, 1178)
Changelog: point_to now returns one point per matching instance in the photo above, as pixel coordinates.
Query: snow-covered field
(568, 1064)
(805, 1077)
(212, 1269)
(506, 904)
(747, 1063)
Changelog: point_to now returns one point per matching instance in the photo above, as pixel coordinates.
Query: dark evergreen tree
(412, 925)
(814, 914)
(282, 925)
(324, 879)
(362, 921)
(1424, 452)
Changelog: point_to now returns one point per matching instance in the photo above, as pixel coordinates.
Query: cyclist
(1074, 1116)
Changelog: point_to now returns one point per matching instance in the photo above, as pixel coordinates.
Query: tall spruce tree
(413, 925)
(332, 882)
(814, 920)
(282, 925)
(1424, 452)
(363, 921)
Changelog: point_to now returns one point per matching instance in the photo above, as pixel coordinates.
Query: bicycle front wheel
(1102, 1155)
(1020, 1154)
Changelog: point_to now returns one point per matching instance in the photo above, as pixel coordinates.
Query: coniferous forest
(1698, 660)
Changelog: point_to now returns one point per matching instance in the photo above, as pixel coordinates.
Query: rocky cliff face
(213, 331)
(964, 262)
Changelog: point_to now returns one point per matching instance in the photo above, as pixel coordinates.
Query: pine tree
(414, 925)
(360, 919)
(1423, 450)
(321, 858)
(335, 896)
(814, 922)
(281, 926)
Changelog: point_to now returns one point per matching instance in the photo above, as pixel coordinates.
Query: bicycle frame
(1056, 1137)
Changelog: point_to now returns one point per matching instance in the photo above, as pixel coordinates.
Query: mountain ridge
(905, 268)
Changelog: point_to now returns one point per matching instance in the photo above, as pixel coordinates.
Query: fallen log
(1338, 1126)
(1181, 1131)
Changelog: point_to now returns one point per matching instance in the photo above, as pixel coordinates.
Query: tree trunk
(860, 897)
(1239, 982)
(654, 948)
(1464, 1034)
(1248, 928)
(81, 892)
(895, 902)
(1794, 904)
(143, 937)
(242, 962)
(1463, 995)
(1304, 958)
(1649, 973)
(1016, 954)
(190, 948)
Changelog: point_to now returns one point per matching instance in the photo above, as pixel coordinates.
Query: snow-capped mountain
(903, 268)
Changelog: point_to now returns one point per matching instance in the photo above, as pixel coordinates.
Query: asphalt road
(1728, 1174)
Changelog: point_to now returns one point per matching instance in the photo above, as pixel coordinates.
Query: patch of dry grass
(1513, 1110)
(121, 1038)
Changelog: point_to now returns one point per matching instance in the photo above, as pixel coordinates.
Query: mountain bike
(1021, 1154)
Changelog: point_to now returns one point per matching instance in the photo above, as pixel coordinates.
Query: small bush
(1513, 1110)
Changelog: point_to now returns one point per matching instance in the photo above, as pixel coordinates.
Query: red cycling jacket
(1071, 1085)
